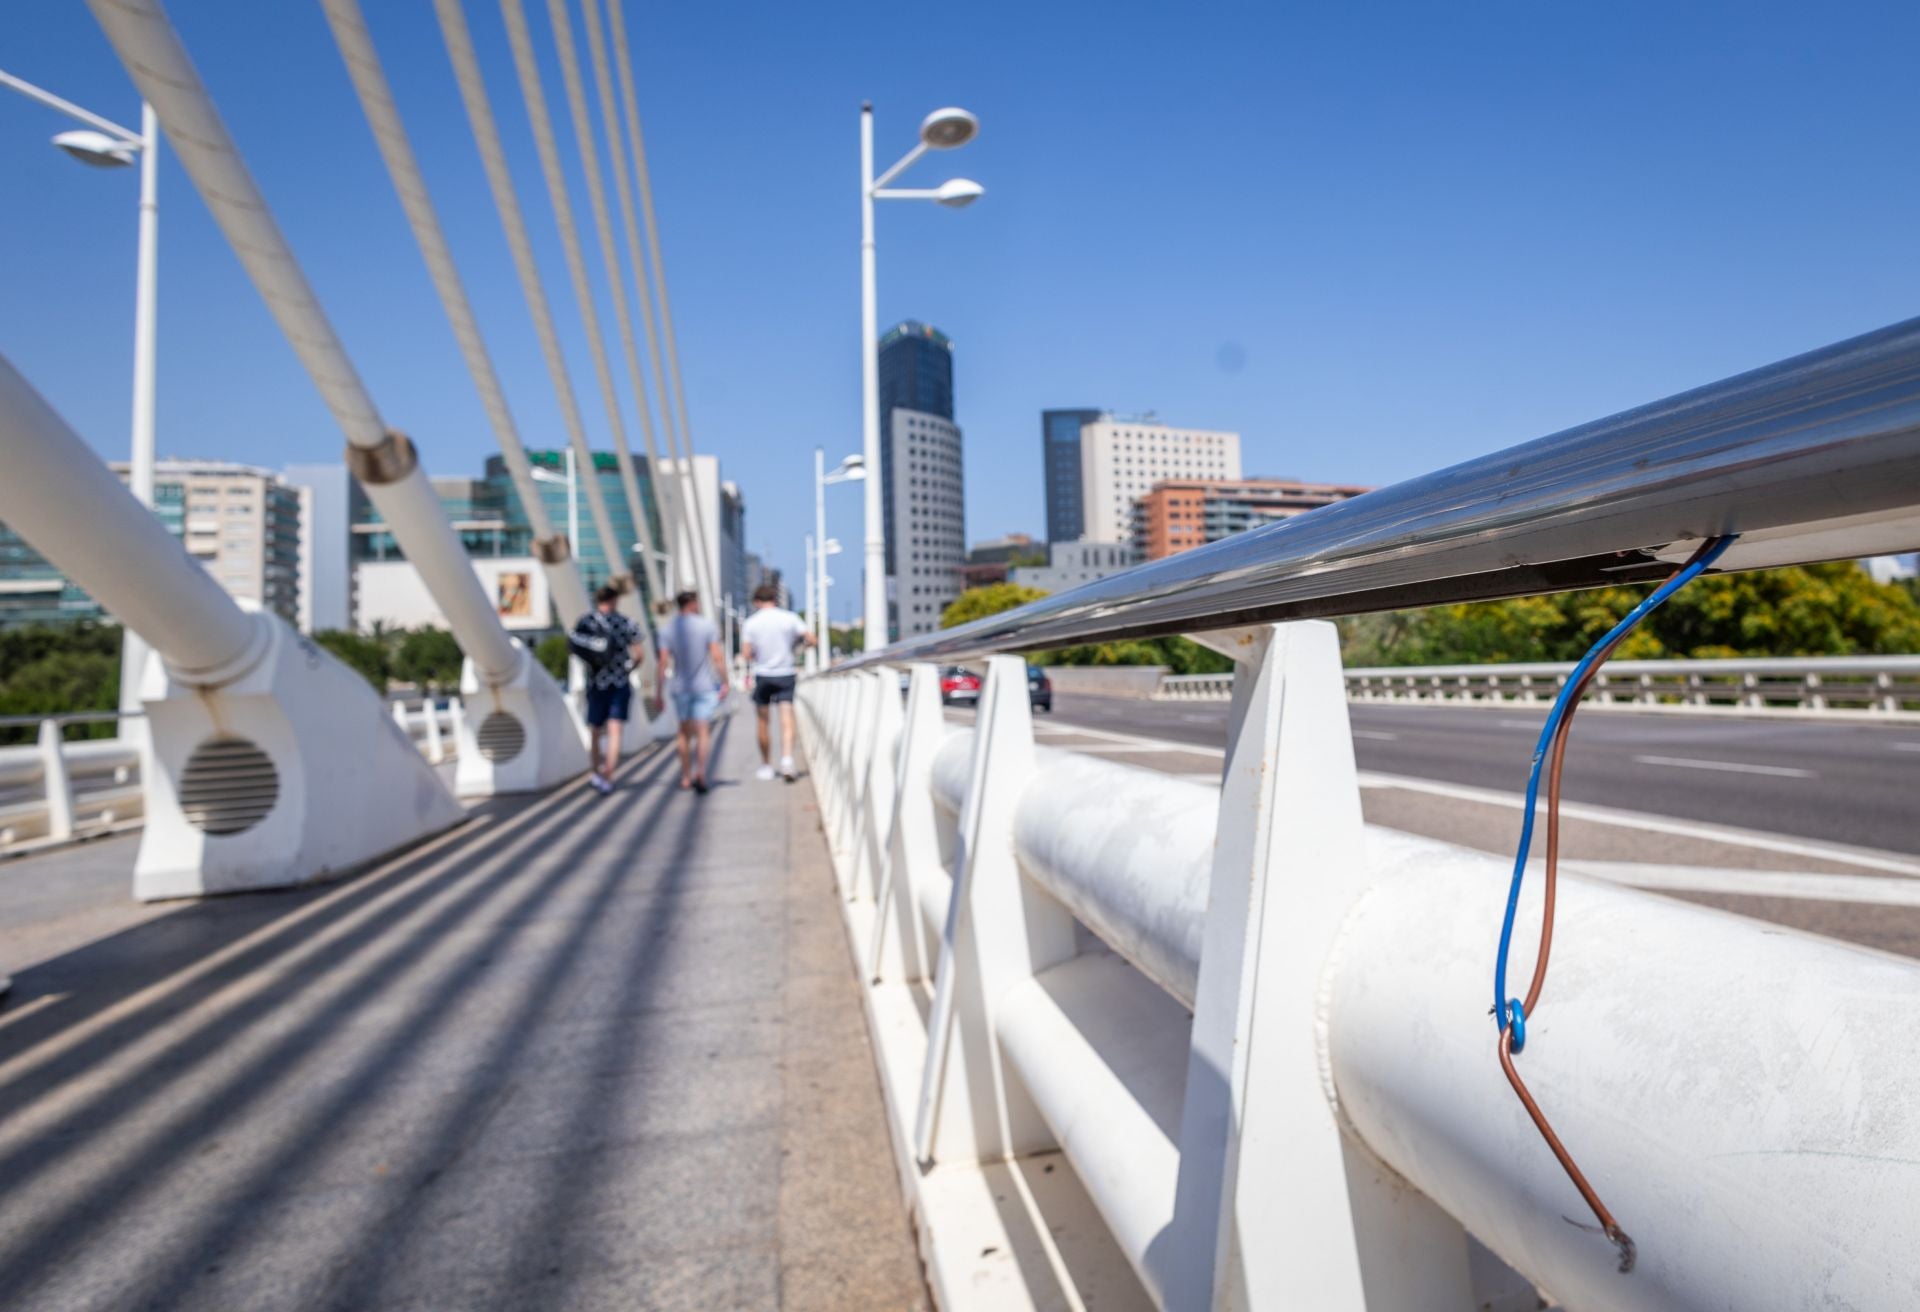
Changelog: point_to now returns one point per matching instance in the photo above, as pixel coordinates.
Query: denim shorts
(605, 704)
(696, 705)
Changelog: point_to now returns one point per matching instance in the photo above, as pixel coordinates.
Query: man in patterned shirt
(609, 643)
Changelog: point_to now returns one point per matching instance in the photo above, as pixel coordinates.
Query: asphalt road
(1840, 782)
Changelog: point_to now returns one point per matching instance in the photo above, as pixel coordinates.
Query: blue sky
(1374, 239)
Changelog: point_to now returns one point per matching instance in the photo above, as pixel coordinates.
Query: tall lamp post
(105, 144)
(944, 129)
(853, 469)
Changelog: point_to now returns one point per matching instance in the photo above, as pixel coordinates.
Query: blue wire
(1501, 1003)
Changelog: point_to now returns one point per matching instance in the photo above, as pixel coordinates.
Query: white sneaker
(764, 772)
(786, 768)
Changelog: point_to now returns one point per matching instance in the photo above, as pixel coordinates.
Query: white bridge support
(269, 762)
(382, 460)
(1256, 1030)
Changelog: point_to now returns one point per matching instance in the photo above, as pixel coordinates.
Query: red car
(959, 687)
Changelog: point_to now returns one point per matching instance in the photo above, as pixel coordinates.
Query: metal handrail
(68, 717)
(1813, 458)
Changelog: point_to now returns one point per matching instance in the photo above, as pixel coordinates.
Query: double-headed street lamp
(850, 470)
(105, 144)
(944, 129)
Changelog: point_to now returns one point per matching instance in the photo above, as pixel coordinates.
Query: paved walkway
(582, 1053)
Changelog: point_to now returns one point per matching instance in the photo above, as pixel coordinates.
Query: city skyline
(1464, 231)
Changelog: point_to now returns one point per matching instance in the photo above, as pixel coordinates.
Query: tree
(552, 652)
(52, 669)
(978, 603)
(364, 654)
(428, 659)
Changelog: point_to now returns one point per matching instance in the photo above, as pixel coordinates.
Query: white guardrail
(1876, 687)
(1258, 1031)
(56, 791)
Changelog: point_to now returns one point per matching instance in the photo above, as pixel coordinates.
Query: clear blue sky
(1373, 238)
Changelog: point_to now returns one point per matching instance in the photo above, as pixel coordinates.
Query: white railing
(1258, 1031)
(1877, 687)
(55, 791)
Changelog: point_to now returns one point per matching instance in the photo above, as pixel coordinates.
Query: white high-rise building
(723, 513)
(1122, 458)
(929, 543)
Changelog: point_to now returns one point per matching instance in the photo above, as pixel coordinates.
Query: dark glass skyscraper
(1060, 458)
(916, 373)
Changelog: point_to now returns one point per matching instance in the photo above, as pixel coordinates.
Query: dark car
(1039, 689)
(959, 687)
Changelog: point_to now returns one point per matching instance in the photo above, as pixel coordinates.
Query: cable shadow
(375, 949)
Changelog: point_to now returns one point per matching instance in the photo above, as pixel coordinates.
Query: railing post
(1883, 681)
(913, 844)
(1810, 695)
(1000, 931)
(457, 718)
(1275, 1205)
(875, 816)
(436, 749)
(55, 781)
(859, 750)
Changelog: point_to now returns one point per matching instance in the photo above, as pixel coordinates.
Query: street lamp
(105, 144)
(853, 469)
(944, 129)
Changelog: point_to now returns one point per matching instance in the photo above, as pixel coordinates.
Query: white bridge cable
(383, 116)
(520, 40)
(486, 135)
(643, 180)
(589, 149)
(146, 43)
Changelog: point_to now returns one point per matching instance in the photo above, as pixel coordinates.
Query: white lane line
(1375, 733)
(1522, 724)
(1906, 747)
(1122, 749)
(1865, 858)
(1127, 739)
(1726, 767)
(1876, 890)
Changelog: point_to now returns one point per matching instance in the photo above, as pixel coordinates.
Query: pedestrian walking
(768, 641)
(608, 643)
(694, 666)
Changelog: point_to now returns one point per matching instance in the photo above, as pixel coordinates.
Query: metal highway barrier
(1871, 687)
(1257, 1029)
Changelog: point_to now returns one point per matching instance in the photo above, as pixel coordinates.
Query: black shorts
(771, 688)
(605, 704)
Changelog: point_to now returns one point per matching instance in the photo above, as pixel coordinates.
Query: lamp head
(97, 148)
(958, 193)
(947, 128)
(851, 469)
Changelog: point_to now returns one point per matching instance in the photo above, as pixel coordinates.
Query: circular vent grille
(501, 737)
(228, 787)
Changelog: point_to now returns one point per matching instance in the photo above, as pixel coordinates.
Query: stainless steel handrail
(1813, 458)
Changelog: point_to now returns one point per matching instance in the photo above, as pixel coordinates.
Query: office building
(1060, 460)
(928, 512)
(1179, 514)
(1121, 459)
(329, 502)
(989, 562)
(34, 591)
(723, 512)
(1071, 564)
(916, 373)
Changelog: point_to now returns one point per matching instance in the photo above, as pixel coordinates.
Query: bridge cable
(403, 168)
(685, 488)
(589, 149)
(1511, 1014)
(546, 146)
(486, 136)
(683, 442)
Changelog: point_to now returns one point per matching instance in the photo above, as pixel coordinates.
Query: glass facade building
(1060, 459)
(916, 373)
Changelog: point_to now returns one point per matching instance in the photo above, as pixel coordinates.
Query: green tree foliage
(427, 658)
(50, 669)
(1834, 609)
(367, 655)
(978, 603)
(552, 653)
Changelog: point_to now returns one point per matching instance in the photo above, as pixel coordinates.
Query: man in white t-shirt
(768, 641)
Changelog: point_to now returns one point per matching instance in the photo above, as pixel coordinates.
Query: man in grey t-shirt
(695, 668)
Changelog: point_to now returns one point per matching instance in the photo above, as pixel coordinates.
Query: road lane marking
(1865, 858)
(1522, 724)
(1375, 733)
(1128, 739)
(1906, 747)
(1728, 767)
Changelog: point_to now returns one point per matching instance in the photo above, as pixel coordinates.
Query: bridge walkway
(578, 1053)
